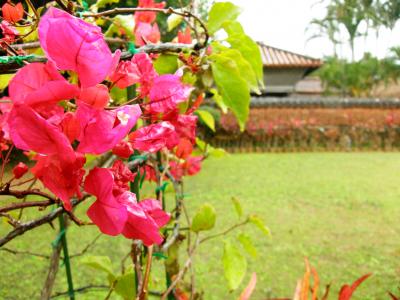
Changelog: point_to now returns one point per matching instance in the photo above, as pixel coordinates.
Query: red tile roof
(277, 58)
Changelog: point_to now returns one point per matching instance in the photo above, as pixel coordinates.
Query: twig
(224, 232)
(16, 252)
(24, 227)
(12, 67)
(143, 290)
(52, 272)
(88, 246)
(81, 290)
(21, 205)
(167, 11)
(182, 271)
(21, 194)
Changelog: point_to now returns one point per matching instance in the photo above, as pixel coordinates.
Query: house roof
(277, 58)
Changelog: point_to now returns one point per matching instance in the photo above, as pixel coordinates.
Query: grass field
(341, 210)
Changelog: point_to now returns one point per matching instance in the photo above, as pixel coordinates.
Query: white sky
(283, 23)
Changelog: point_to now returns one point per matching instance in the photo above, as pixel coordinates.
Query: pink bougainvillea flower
(123, 149)
(101, 130)
(144, 219)
(5, 109)
(126, 74)
(70, 126)
(149, 173)
(39, 83)
(30, 131)
(12, 13)
(147, 73)
(184, 148)
(167, 92)
(9, 31)
(184, 37)
(190, 167)
(154, 137)
(144, 32)
(185, 126)
(122, 176)
(121, 213)
(20, 170)
(106, 212)
(96, 96)
(147, 16)
(76, 45)
(61, 174)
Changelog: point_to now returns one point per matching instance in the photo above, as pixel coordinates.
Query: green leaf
(201, 144)
(118, 95)
(207, 118)
(231, 86)
(246, 70)
(173, 21)
(216, 152)
(125, 22)
(238, 206)
(204, 218)
(259, 224)
(125, 286)
(235, 265)
(166, 64)
(247, 244)
(247, 47)
(102, 3)
(219, 100)
(221, 12)
(5, 80)
(102, 263)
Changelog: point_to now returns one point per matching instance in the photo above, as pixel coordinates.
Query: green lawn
(341, 210)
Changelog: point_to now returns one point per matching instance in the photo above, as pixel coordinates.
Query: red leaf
(347, 291)
(12, 13)
(245, 295)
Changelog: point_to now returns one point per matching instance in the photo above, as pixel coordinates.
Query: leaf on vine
(102, 3)
(207, 118)
(235, 265)
(125, 286)
(166, 64)
(232, 86)
(173, 21)
(238, 206)
(259, 224)
(101, 263)
(221, 12)
(246, 70)
(122, 25)
(247, 47)
(204, 218)
(246, 242)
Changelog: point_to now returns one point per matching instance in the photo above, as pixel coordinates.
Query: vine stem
(144, 291)
(67, 263)
(167, 11)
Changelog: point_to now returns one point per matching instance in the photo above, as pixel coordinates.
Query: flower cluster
(60, 121)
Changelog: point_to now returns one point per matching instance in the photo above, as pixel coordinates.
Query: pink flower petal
(30, 131)
(167, 92)
(102, 130)
(106, 212)
(154, 137)
(39, 83)
(75, 45)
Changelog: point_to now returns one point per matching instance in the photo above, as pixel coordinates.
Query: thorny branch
(167, 11)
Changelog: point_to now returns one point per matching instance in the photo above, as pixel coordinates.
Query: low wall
(312, 124)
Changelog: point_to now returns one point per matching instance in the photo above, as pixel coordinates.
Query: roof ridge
(263, 44)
